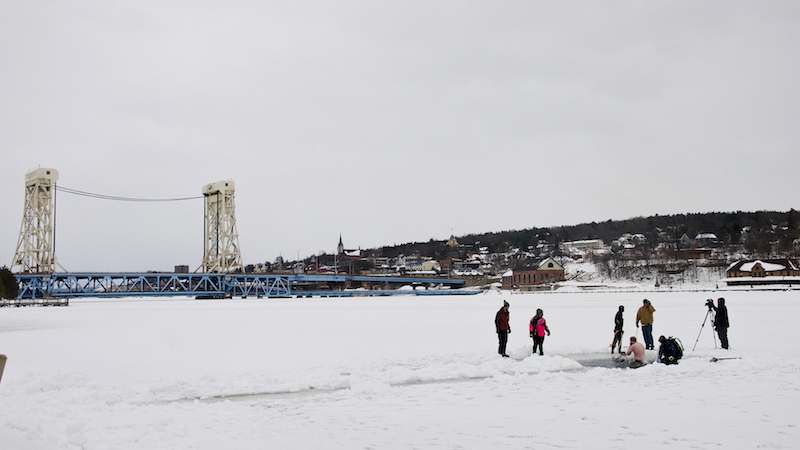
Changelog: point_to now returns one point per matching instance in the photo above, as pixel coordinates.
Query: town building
(534, 274)
(584, 245)
(350, 253)
(583, 248)
(767, 271)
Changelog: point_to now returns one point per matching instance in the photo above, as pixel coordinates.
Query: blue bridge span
(212, 285)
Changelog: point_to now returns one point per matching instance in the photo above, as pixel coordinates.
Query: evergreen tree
(9, 283)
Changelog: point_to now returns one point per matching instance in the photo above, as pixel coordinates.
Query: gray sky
(391, 121)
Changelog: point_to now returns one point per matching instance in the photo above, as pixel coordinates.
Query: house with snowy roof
(760, 272)
(583, 247)
(534, 274)
(704, 239)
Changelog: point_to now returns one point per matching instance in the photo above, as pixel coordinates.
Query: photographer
(721, 323)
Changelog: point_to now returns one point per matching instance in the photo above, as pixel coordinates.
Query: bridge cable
(121, 199)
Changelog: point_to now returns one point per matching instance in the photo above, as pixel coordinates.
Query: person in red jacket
(503, 328)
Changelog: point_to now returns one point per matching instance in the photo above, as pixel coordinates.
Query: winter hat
(505, 303)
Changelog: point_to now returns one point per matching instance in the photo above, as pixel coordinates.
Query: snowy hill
(641, 275)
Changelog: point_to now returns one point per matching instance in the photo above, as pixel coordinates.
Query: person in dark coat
(501, 322)
(618, 321)
(721, 323)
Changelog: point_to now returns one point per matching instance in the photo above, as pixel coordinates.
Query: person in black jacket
(721, 323)
(618, 321)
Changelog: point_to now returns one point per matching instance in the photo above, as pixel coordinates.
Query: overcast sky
(389, 122)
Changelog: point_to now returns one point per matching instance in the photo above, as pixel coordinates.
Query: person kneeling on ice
(638, 353)
(668, 351)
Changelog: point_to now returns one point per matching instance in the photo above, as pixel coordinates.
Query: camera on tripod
(711, 312)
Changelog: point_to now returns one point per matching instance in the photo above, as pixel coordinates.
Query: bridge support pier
(221, 243)
(36, 245)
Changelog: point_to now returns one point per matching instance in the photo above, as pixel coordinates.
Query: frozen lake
(393, 372)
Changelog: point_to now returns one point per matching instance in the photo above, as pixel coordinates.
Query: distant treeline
(767, 233)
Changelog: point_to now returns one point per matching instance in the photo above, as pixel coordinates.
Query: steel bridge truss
(151, 285)
(211, 285)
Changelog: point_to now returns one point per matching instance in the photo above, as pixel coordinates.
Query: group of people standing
(538, 329)
(644, 316)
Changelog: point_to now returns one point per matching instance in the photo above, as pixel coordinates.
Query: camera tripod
(708, 313)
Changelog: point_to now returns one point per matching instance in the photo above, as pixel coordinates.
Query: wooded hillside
(762, 233)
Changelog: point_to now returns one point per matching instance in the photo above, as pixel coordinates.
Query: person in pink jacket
(538, 329)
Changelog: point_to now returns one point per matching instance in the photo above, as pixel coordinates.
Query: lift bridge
(220, 274)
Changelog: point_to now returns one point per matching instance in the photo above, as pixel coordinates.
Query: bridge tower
(36, 245)
(221, 242)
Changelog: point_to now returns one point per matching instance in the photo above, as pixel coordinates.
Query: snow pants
(538, 342)
(723, 336)
(503, 337)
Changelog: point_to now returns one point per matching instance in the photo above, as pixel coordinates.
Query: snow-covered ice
(393, 372)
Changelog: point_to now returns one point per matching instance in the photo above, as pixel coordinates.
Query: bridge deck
(65, 285)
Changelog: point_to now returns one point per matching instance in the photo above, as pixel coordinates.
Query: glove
(509, 330)
(548, 332)
(637, 324)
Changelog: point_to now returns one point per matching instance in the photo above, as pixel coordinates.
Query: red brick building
(534, 274)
